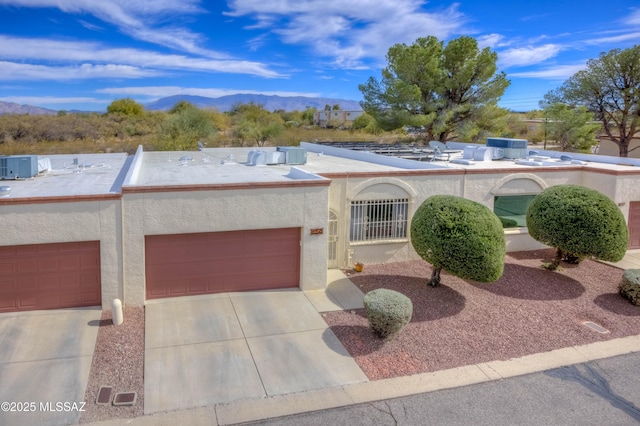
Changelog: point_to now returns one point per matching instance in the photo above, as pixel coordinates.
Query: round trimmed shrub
(460, 236)
(629, 286)
(388, 311)
(578, 221)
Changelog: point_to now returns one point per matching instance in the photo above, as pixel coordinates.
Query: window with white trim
(374, 220)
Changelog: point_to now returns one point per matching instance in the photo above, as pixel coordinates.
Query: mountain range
(270, 103)
(13, 108)
(222, 104)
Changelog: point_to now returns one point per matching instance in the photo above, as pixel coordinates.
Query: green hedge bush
(460, 236)
(579, 222)
(388, 311)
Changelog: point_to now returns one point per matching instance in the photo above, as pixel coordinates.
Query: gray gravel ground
(118, 361)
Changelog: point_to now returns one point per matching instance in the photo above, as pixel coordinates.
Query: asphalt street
(602, 392)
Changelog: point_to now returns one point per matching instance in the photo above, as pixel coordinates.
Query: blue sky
(82, 54)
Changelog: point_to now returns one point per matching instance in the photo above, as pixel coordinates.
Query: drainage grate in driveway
(104, 395)
(125, 398)
(595, 327)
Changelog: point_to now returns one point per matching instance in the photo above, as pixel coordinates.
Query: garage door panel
(49, 276)
(204, 263)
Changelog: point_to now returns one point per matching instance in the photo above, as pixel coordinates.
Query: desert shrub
(460, 236)
(579, 222)
(629, 286)
(387, 311)
(182, 129)
(125, 106)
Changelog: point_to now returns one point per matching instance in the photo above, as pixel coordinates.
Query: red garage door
(634, 224)
(49, 276)
(203, 263)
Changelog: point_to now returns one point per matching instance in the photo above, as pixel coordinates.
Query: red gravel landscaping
(529, 310)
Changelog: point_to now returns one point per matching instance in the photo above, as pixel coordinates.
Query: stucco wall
(63, 222)
(154, 213)
(478, 186)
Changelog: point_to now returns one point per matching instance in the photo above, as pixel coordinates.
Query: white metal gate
(332, 239)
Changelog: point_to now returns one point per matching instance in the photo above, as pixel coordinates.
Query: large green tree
(441, 88)
(609, 87)
(572, 128)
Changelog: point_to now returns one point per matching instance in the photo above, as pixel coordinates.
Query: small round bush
(579, 221)
(629, 286)
(460, 236)
(387, 311)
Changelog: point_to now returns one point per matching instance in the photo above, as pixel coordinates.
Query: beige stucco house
(93, 227)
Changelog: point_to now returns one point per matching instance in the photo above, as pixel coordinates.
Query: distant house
(335, 118)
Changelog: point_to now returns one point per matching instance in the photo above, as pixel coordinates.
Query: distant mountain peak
(13, 108)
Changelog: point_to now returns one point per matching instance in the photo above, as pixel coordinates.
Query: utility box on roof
(15, 167)
(294, 154)
(513, 148)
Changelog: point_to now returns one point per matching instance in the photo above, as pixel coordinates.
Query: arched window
(380, 210)
(512, 196)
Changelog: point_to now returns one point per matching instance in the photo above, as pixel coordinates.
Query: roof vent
(5, 191)
(257, 158)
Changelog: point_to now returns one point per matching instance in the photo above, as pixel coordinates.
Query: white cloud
(561, 72)
(491, 41)
(161, 91)
(634, 35)
(633, 19)
(140, 19)
(24, 49)
(523, 56)
(11, 71)
(349, 31)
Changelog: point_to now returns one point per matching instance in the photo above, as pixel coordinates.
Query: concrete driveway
(45, 359)
(220, 348)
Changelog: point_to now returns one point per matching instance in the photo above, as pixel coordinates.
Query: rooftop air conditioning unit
(276, 157)
(513, 148)
(294, 154)
(14, 166)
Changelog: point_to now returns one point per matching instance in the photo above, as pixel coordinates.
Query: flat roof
(108, 174)
(92, 175)
(229, 166)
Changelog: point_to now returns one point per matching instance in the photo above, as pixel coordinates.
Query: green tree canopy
(125, 106)
(572, 128)
(610, 88)
(579, 222)
(256, 124)
(439, 87)
(461, 236)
